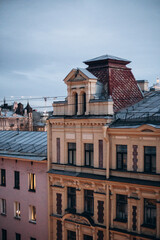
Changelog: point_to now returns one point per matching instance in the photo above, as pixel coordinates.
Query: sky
(42, 41)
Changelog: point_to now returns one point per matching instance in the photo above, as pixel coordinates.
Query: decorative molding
(87, 136)
(70, 135)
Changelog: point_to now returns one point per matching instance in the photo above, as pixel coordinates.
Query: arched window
(83, 103)
(76, 103)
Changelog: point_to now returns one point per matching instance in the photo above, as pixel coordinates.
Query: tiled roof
(87, 73)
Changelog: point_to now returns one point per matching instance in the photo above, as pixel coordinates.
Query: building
(97, 181)
(23, 187)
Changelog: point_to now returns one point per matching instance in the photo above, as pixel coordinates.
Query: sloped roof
(25, 144)
(146, 111)
(87, 73)
(105, 57)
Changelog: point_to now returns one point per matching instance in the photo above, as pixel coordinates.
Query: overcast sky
(42, 40)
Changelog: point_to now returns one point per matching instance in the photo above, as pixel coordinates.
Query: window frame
(89, 201)
(4, 234)
(71, 198)
(18, 236)
(32, 182)
(17, 210)
(3, 206)
(16, 180)
(151, 157)
(121, 204)
(3, 177)
(121, 161)
(89, 154)
(71, 153)
(152, 211)
(32, 214)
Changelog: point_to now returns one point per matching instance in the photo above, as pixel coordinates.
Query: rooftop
(24, 144)
(146, 111)
(106, 57)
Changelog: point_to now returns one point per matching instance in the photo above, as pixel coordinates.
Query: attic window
(147, 130)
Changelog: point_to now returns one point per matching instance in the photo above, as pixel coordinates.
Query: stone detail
(135, 159)
(77, 219)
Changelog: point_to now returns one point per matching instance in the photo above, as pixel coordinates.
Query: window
(150, 159)
(76, 103)
(3, 177)
(121, 157)
(88, 201)
(3, 206)
(71, 235)
(100, 235)
(87, 237)
(72, 153)
(17, 210)
(32, 182)
(150, 212)
(83, 103)
(18, 236)
(100, 211)
(88, 149)
(32, 214)
(16, 180)
(32, 238)
(121, 208)
(59, 230)
(100, 153)
(59, 203)
(71, 197)
(4, 234)
(58, 150)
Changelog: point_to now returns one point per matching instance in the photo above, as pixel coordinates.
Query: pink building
(23, 186)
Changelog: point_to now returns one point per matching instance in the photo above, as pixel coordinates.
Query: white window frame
(17, 210)
(3, 206)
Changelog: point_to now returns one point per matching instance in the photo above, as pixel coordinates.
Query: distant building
(143, 84)
(23, 186)
(156, 86)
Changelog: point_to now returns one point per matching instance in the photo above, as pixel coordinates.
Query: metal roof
(146, 111)
(105, 57)
(10, 114)
(87, 73)
(25, 144)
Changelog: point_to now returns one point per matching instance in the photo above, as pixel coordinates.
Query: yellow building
(103, 176)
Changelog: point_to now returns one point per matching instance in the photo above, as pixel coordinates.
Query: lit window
(150, 159)
(150, 212)
(17, 210)
(3, 206)
(32, 213)
(88, 151)
(72, 153)
(3, 177)
(32, 182)
(121, 207)
(121, 157)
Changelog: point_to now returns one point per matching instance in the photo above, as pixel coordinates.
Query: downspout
(106, 138)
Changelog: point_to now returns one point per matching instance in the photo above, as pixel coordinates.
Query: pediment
(78, 75)
(146, 128)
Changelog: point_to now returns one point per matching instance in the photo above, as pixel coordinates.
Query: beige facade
(90, 195)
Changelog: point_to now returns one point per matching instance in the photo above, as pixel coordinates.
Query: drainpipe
(106, 138)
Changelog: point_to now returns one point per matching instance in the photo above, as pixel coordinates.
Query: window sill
(120, 220)
(148, 226)
(32, 221)
(17, 218)
(3, 214)
(31, 190)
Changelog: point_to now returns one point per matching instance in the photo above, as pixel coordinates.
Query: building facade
(23, 188)
(103, 179)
